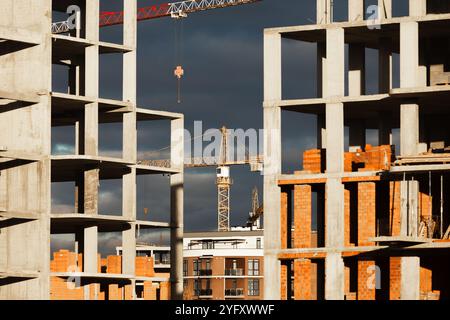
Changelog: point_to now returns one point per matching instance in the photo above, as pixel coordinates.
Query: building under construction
(30, 110)
(381, 212)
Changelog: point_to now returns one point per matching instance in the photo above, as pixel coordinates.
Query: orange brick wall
(394, 207)
(164, 291)
(366, 280)
(283, 221)
(302, 279)
(394, 278)
(347, 217)
(61, 290)
(145, 267)
(283, 280)
(366, 213)
(302, 216)
(149, 291)
(114, 264)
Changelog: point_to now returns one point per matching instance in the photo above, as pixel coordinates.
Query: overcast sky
(222, 55)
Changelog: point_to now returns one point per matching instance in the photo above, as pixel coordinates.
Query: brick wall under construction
(69, 287)
(372, 210)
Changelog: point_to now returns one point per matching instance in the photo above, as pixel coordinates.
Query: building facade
(31, 110)
(380, 211)
(223, 265)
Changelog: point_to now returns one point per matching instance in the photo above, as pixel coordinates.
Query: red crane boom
(175, 9)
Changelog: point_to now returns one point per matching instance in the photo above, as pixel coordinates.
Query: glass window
(196, 288)
(196, 267)
(258, 243)
(185, 268)
(253, 287)
(253, 267)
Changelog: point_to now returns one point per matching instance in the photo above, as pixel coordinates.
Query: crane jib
(110, 18)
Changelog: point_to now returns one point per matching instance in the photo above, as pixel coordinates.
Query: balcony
(205, 272)
(238, 292)
(234, 272)
(204, 293)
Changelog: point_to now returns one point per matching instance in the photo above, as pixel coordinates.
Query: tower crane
(255, 215)
(223, 177)
(176, 10)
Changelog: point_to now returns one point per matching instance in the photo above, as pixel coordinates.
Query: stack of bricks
(145, 267)
(114, 264)
(302, 216)
(313, 160)
(373, 158)
(65, 261)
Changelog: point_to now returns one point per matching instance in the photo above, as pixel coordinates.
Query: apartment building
(223, 265)
(381, 210)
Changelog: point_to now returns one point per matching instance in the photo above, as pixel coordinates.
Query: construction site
(380, 212)
(364, 216)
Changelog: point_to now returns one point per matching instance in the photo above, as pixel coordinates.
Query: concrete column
(272, 164)
(129, 80)
(357, 133)
(357, 70)
(385, 65)
(355, 10)
(409, 210)
(385, 9)
(176, 208)
(335, 62)
(409, 54)
(417, 8)
(324, 14)
(90, 252)
(334, 277)
(91, 184)
(409, 129)
(410, 278)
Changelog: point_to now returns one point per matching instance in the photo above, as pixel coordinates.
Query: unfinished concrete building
(382, 211)
(30, 110)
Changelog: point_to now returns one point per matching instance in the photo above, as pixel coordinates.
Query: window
(208, 245)
(196, 267)
(196, 288)
(253, 287)
(185, 268)
(258, 243)
(253, 267)
(208, 264)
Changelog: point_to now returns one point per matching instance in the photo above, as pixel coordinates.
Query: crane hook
(179, 73)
